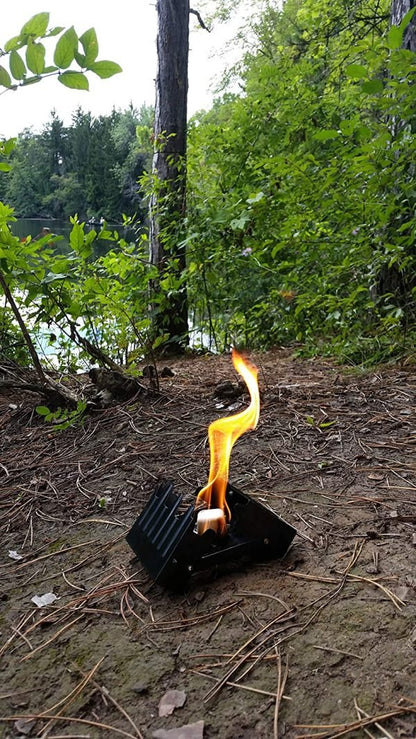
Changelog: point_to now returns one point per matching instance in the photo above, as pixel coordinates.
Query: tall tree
(399, 9)
(55, 136)
(29, 179)
(131, 139)
(101, 190)
(79, 140)
(167, 207)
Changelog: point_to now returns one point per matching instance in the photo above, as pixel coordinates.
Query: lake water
(33, 226)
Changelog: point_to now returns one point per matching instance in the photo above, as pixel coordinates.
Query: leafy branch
(70, 49)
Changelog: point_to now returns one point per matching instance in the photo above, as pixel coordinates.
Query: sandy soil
(320, 643)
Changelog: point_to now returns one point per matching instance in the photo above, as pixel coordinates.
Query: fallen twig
(281, 682)
(70, 719)
(333, 731)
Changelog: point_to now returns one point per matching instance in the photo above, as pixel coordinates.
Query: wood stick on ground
(338, 651)
(68, 736)
(248, 688)
(363, 714)
(17, 631)
(112, 700)
(70, 719)
(234, 668)
(51, 639)
(326, 597)
(333, 731)
(281, 682)
(64, 703)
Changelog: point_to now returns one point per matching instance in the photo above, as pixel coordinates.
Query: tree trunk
(167, 207)
(399, 9)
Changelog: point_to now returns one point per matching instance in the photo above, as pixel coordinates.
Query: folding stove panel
(171, 551)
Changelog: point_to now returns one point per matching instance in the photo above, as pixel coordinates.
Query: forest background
(300, 203)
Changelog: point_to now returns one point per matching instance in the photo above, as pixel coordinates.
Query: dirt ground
(320, 643)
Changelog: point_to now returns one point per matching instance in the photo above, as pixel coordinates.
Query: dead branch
(94, 351)
(22, 326)
(200, 21)
(55, 394)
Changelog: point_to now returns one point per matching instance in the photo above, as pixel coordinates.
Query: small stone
(227, 390)
(189, 731)
(171, 700)
(24, 726)
(149, 371)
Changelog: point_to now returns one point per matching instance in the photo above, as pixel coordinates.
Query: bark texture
(167, 207)
(399, 9)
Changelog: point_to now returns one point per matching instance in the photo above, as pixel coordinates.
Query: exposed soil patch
(326, 636)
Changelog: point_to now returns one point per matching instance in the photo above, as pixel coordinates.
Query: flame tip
(224, 432)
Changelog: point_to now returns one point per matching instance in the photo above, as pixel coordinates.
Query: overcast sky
(126, 33)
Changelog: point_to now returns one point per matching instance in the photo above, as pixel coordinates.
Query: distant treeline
(90, 167)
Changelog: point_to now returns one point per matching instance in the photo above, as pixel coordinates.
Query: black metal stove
(171, 551)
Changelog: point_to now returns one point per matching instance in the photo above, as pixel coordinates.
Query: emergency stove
(170, 549)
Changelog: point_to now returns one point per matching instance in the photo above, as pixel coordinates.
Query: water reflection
(34, 227)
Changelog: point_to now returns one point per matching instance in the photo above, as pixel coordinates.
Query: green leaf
(372, 86)
(395, 37)
(5, 79)
(90, 45)
(407, 18)
(66, 48)
(35, 58)
(364, 132)
(50, 277)
(8, 146)
(76, 237)
(75, 309)
(105, 69)
(75, 80)
(31, 80)
(54, 31)
(159, 340)
(255, 198)
(42, 410)
(326, 424)
(80, 59)
(326, 134)
(60, 265)
(356, 71)
(13, 43)
(238, 223)
(17, 65)
(36, 26)
(347, 127)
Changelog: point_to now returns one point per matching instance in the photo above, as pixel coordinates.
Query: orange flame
(222, 435)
